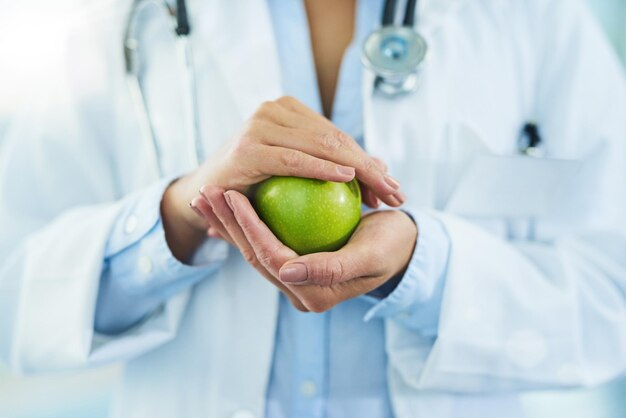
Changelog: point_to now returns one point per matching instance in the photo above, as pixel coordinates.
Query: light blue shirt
(329, 365)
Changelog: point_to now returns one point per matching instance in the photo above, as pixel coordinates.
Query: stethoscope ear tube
(182, 22)
(179, 24)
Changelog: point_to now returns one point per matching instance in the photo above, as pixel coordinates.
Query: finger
(197, 211)
(381, 164)
(324, 269)
(278, 161)
(202, 205)
(332, 146)
(357, 259)
(216, 199)
(369, 198)
(270, 252)
(397, 199)
(272, 112)
(278, 113)
(293, 104)
(214, 233)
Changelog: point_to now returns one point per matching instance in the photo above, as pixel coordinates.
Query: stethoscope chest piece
(395, 54)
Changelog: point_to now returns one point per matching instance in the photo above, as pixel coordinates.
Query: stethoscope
(178, 23)
(395, 54)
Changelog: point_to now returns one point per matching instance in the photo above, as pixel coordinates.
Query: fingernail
(293, 273)
(401, 197)
(377, 202)
(391, 182)
(345, 171)
(195, 209)
(395, 202)
(228, 202)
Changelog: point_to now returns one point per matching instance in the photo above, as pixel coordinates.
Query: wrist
(184, 229)
(413, 232)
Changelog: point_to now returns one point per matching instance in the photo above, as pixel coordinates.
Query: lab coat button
(242, 413)
(131, 224)
(145, 264)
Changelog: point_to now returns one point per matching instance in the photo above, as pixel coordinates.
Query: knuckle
(266, 106)
(264, 111)
(250, 172)
(287, 100)
(243, 155)
(343, 138)
(292, 160)
(370, 166)
(265, 258)
(253, 126)
(381, 164)
(249, 256)
(329, 272)
(329, 142)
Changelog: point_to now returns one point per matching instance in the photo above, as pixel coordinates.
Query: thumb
(324, 269)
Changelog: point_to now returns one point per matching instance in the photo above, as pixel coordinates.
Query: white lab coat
(517, 313)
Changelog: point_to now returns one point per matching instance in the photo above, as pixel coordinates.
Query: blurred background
(29, 40)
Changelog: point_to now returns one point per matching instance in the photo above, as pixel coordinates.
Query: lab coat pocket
(494, 186)
(475, 181)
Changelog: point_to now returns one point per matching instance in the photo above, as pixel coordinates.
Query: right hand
(282, 138)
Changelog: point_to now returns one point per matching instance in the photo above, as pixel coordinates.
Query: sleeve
(66, 178)
(522, 314)
(416, 300)
(140, 272)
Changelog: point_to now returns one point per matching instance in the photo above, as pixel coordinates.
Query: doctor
(502, 272)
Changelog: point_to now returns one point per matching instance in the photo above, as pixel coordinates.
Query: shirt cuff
(139, 236)
(142, 211)
(416, 301)
(140, 272)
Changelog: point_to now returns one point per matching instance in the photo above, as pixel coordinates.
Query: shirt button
(242, 413)
(145, 264)
(308, 388)
(131, 224)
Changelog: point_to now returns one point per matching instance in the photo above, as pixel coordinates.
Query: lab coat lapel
(414, 125)
(238, 34)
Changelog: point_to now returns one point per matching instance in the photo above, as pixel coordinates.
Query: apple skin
(309, 215)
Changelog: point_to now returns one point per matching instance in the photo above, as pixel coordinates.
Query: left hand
(379, 249)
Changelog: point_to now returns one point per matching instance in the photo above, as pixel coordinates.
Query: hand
(379, 249)
(215, 209)
(283, 138)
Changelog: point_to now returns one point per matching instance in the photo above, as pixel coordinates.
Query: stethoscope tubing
(180, 28)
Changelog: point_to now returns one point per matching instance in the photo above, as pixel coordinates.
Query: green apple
(309, 215)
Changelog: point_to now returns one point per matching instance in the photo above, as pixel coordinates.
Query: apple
(309, 215)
